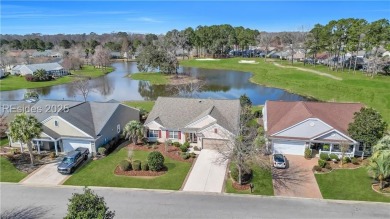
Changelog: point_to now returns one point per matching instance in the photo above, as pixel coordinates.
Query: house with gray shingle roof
(202, 122)
(68, 125)
(53, 69)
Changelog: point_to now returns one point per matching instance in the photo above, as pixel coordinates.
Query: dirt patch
(240, 187)
(173, 152)
(140, 173)
(309, 70)
(384, 191)
(347, 165)
(182, 79)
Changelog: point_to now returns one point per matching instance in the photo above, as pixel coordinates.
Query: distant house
(2, 73)
(322, 127)
(46, 53)
(68, 125)
(116, 55)
(53, 69)
(205, 123)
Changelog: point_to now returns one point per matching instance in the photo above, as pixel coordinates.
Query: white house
(293, 126)
(205, 123)
(53, 69)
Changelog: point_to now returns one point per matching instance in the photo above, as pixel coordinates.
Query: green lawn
(153, 77)
(12, 82)
(348, 185)
(146, 105)
(101, 173)
(8, 173)
(262, 181)
(373, 92)
(4, 141)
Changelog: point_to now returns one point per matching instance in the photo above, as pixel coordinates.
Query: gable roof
(90, 117)
(177, 113)
(35, 67)
(283, 114)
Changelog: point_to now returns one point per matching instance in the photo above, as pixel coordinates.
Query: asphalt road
(51, 202)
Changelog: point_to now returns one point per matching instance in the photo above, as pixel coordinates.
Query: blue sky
(51, 17)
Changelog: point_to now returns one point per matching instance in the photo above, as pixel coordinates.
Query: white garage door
(209, 143)
(70, 145)
(289, 147)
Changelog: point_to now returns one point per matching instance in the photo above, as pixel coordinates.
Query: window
(336, 147)
(118, 128)
(153, 134)
(361, 146)
(173, 134)
(215, 131)
(56, 123)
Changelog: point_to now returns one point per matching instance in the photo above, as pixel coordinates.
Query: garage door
(70, 145)
(214, 144)
(289, 147)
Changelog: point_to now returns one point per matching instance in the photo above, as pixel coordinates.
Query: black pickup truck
(72, 160)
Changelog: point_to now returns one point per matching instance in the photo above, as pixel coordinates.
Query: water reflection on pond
(116, 85)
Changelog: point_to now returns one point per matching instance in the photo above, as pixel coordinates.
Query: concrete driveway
(207, 174)
(45, 175)
(297, 180)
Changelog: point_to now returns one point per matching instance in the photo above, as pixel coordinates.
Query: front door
(193, 138)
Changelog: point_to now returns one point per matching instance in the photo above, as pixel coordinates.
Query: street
(51, 202)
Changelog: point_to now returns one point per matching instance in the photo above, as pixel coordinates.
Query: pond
(219, 84)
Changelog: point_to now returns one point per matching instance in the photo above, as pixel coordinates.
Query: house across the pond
(293, 126)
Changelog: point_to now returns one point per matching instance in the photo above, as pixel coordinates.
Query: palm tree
(133, 130)
(23, 129)
(40, 74)
(379, 167)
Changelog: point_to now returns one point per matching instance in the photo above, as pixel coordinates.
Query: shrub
(145, 166)
(196, 148)
(52, 155)
(155, 161)
(186, 144)
(307, 153)
(321, 163)
(29, 77)
(192, 155)
(324, 156)
(124, 165)
(176, 144)
(245, 177)
(136, 165)
(102, 151)
(185, 156)
(334, 157)
(183, 148)
(346, 159)
(258, 114)
(327, 166)
(317, 168)
(326, 147)
(354, 160)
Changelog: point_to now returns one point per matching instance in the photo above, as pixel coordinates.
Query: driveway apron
(45, 175)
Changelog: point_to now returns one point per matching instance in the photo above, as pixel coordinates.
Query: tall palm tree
(24, 128)
(133, 130)
(379, 167)
(382, 147)
(40, 74)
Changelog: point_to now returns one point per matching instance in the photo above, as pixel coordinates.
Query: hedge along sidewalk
(12, 82)
(101, 173)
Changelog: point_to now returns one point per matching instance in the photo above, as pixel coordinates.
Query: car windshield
(278, 158)
(67, 160)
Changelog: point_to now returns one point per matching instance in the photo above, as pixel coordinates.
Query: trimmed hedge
(125, 165)
(354, 160)
(185, 156)
(155, 161)
(145, 166)
(176, 144)
(183, 148)
(346, 159)
(324, 156)
(186, 144)
(307, 153)
(136, 165)
(321, 163)
(102, 151)
(334, 157)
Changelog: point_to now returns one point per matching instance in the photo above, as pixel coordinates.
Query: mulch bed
(22, 162)
(385, 191)
(119, 171)
(173, 152)
(240, 187)
(347, 165)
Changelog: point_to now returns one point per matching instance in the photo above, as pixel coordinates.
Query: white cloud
(145, 19)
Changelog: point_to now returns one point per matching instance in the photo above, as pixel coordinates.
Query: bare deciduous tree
(101, 57)
(265, 40)
(82, 87)
(3, 125)
(344, 147)
(247, 146)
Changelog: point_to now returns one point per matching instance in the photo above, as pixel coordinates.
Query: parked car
(279, 161)
(72, 160)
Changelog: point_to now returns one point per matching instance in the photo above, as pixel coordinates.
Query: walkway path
(310, 70)
(208, 174)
